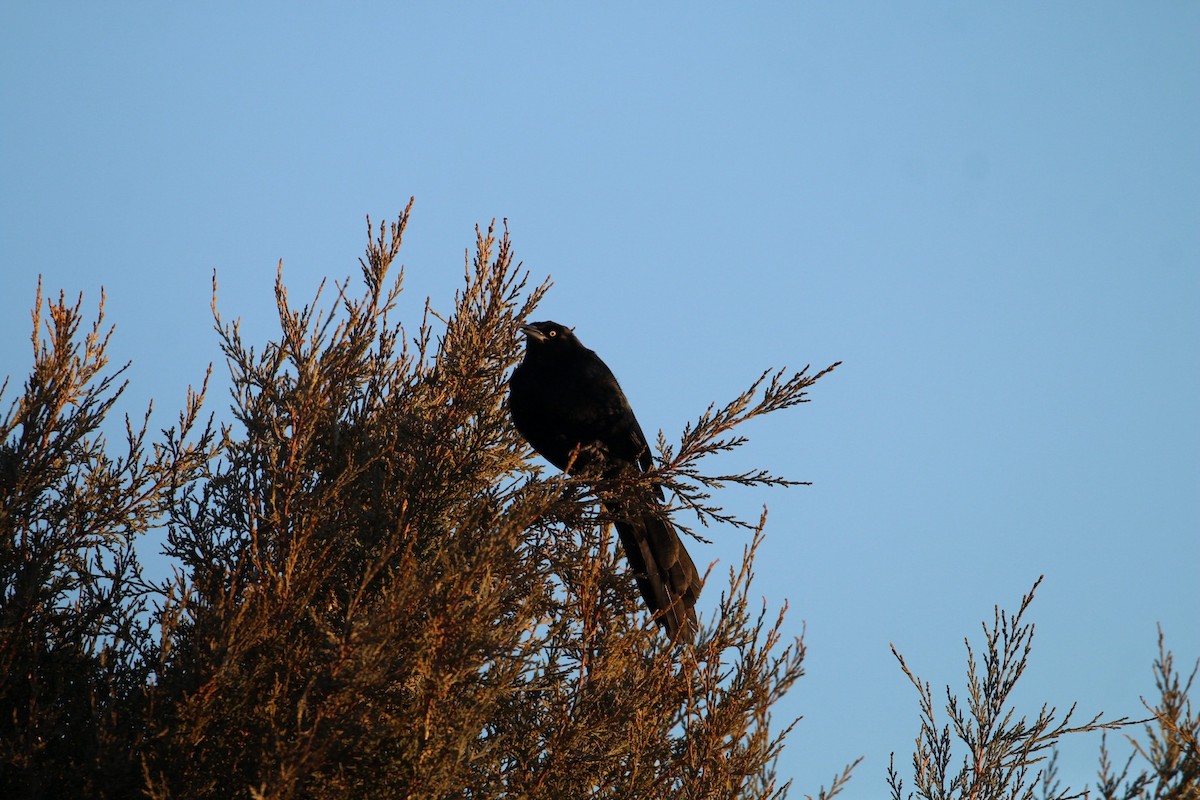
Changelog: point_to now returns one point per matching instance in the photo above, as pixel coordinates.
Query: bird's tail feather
(664, 571)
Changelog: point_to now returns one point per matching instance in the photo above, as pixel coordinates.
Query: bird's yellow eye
(552, 333)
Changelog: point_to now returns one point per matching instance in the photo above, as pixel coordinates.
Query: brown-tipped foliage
(75, 653)
(378, 594)
(1000, 751)
(1169, 755)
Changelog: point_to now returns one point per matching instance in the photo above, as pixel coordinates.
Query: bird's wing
(621, 435)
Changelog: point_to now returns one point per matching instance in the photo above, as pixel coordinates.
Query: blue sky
(991, 215)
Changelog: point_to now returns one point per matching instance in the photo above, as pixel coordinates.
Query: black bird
(566, 403)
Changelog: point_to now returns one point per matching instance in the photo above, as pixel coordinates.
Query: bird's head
(548, 336)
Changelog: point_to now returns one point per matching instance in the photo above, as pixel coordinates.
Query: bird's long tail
(663, 569)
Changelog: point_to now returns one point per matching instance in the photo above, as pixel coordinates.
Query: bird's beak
(533, 333)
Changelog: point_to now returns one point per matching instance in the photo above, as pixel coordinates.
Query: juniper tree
(378, 592)
(76, 654)
(987, 750)
(1167, 758)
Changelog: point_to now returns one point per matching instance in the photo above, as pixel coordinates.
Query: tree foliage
(75, 653)
(1165, 764)
(378, 594)
(986, 750)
